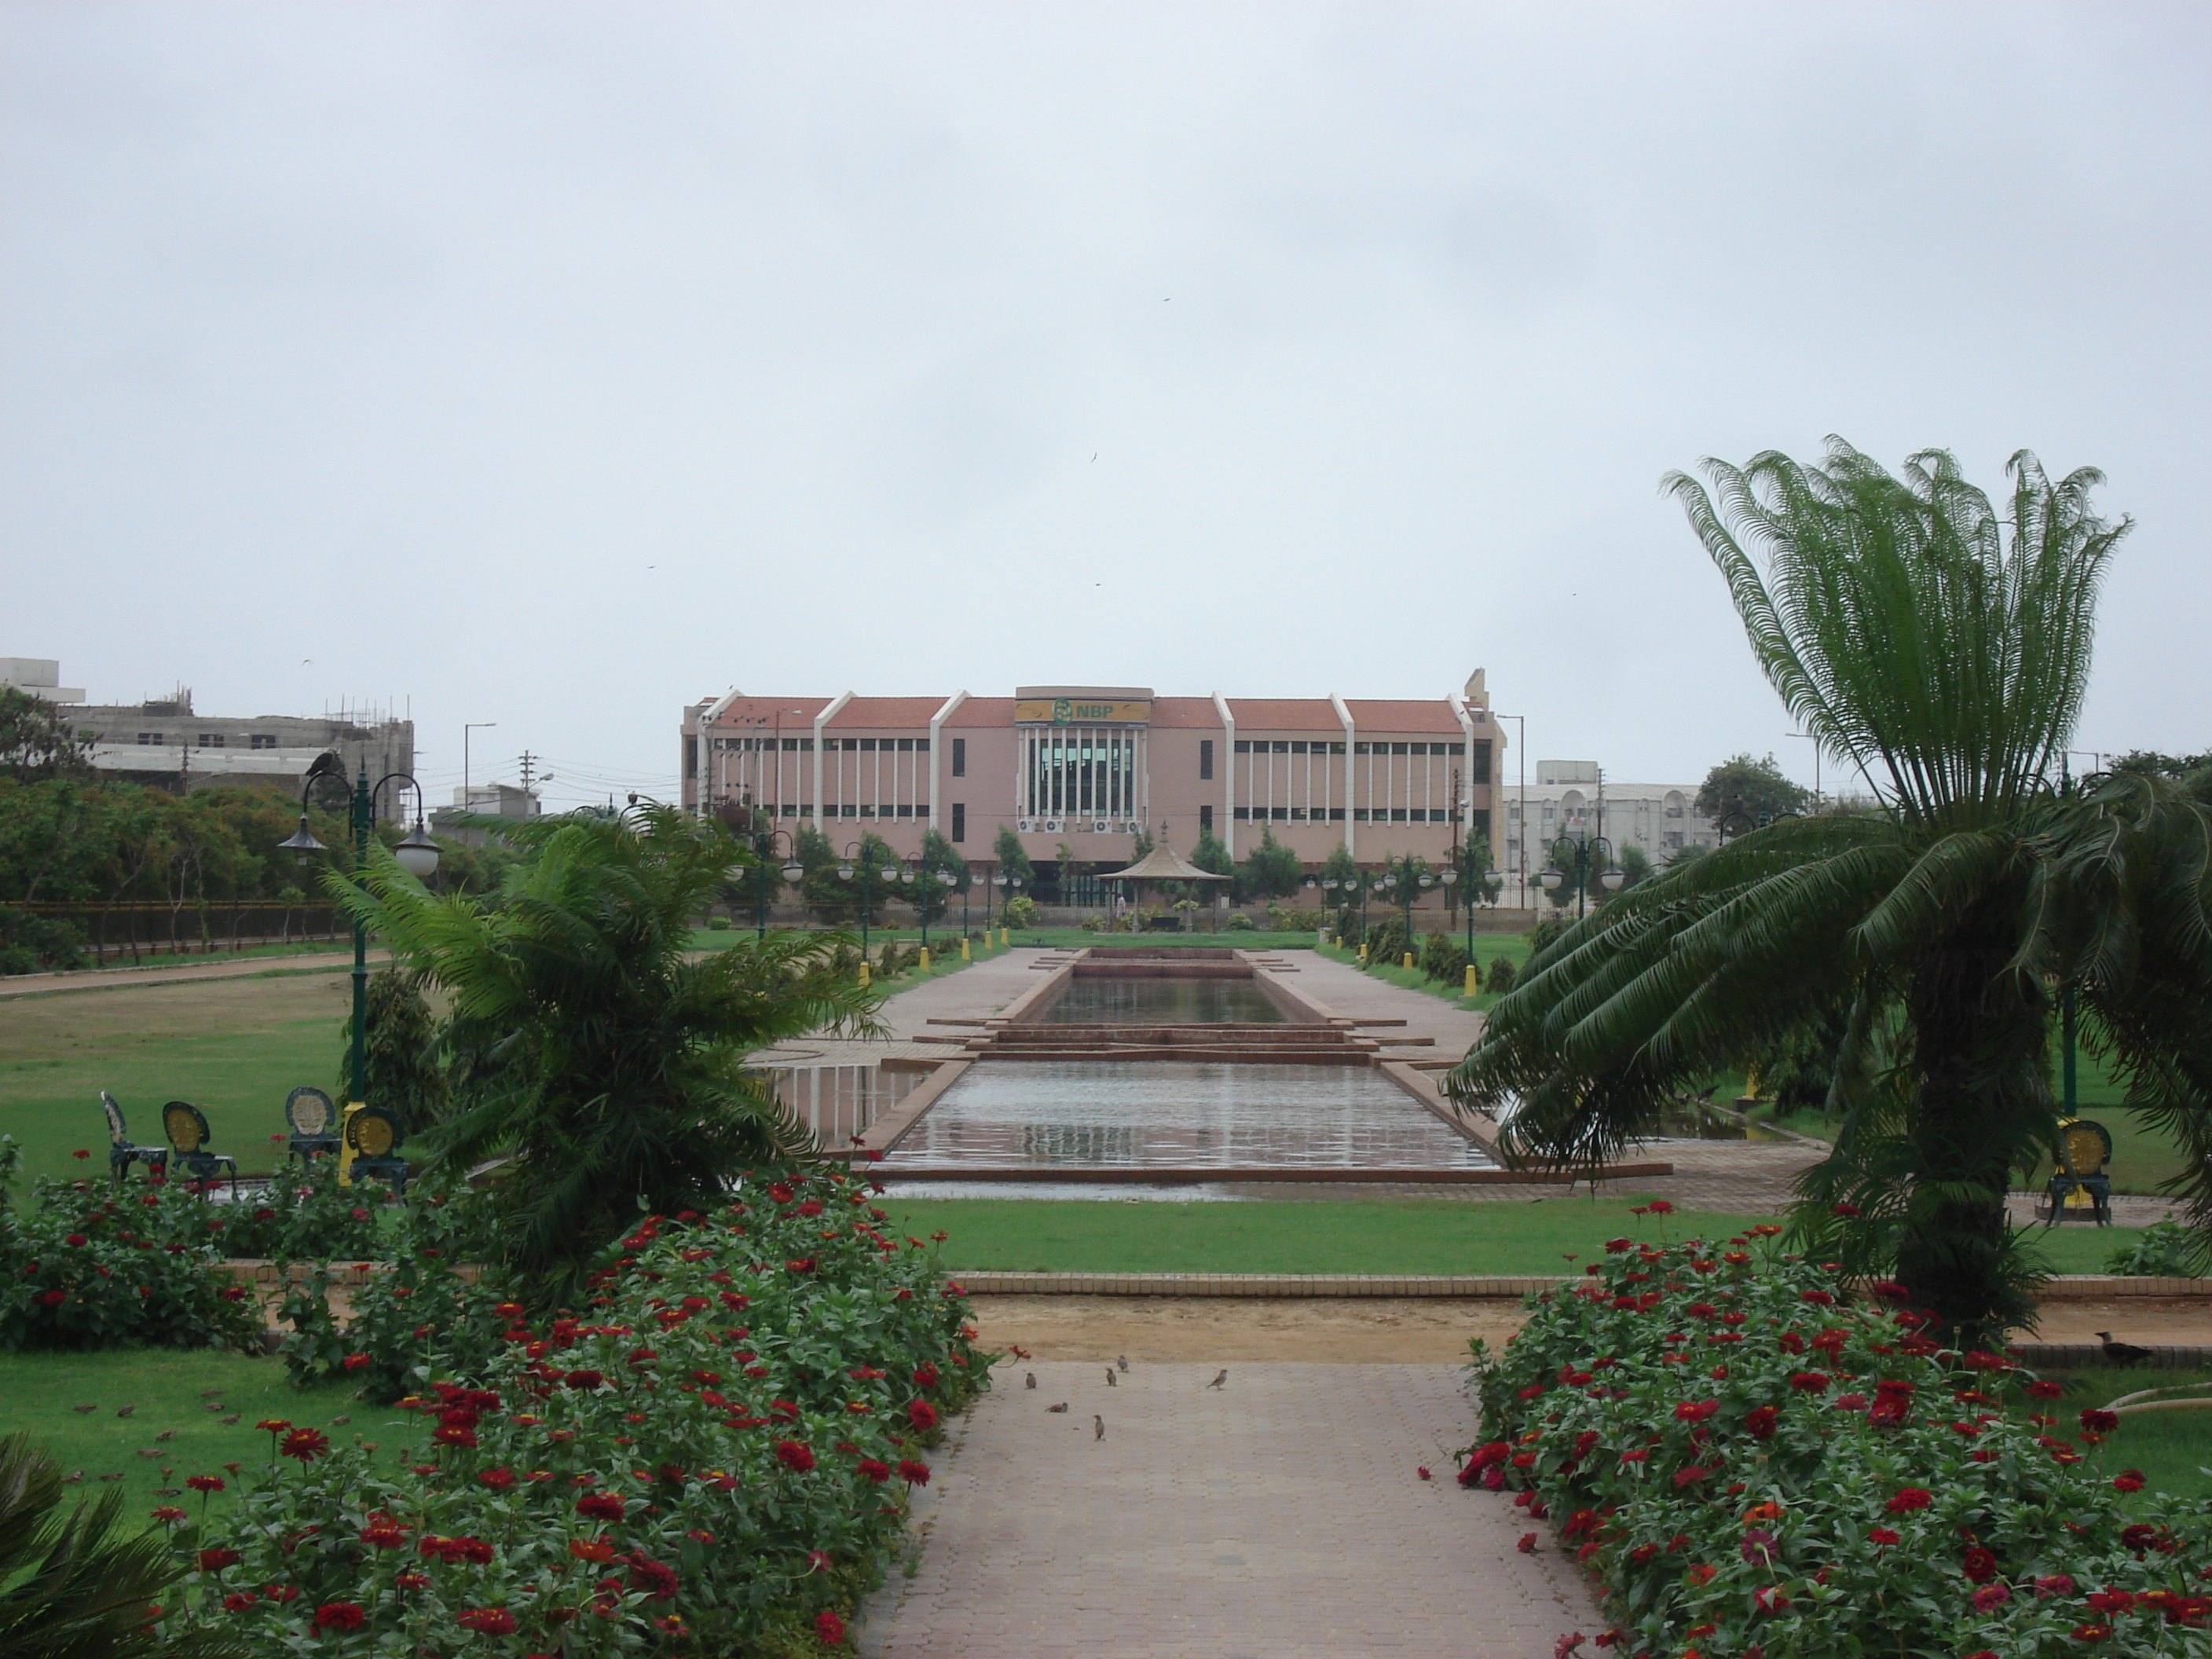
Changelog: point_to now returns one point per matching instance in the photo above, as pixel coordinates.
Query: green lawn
(233, 1047)
(1488, 948)
(2172, 1448)
(1373, 1236)
(169, 1389)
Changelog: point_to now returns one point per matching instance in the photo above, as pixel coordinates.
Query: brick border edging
(2073, 1356)
(2067, 1288)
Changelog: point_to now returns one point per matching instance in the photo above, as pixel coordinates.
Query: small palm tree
(595, 1044)
(71, 1587)
(1941, 649)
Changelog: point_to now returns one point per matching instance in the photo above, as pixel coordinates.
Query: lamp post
(417, 855)
(764, 842)
(890, 873)
(473, 726)
(1587, 853)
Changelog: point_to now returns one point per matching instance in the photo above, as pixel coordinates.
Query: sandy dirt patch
(2130, 1319)
(1337, 1330)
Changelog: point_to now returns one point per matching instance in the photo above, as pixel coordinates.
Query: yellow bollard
(1409, 959)
(1002, 939)
(924, 959)
(864, 973)
(1363, 952)
(964, 957)
(1471, 986)
(345, 1142)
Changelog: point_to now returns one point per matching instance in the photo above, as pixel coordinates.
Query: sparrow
(1109, 1377)
(124, 1410)
(117, 1475)
(1029, 1379)
(85, 1408)
(1220, 1378)
(72, 1477)
(212, 1406)
(1121, 1363)
(149, 1451)
(1097, 1428)
(210, 1394)
(167, 1434)
(340, 1422)
(1060, 1407)
(233, 1418)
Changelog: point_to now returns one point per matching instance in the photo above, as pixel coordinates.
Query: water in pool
(1163, 1002)
(1180, 1113)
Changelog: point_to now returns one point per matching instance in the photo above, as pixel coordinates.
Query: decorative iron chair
(186, 1126)
(122, 1152)
(2078, 1159)
(312, 1120)
(372, 1135)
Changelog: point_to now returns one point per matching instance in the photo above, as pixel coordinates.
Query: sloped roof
(1162, 864)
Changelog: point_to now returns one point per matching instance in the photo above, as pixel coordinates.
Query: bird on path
(2122, 1353)
(1060, 1407)
(1121, 1363)
(1220, 1378)
(1098, 1427)
(124, 1410)
(1109, 1377)
(1029, 1379)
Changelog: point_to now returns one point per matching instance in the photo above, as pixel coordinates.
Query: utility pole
(528, 763)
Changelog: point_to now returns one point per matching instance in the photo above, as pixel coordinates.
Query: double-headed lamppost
(417, 855)
(793, 872)
(1009, 887)
(890, 873)
(1585, 853)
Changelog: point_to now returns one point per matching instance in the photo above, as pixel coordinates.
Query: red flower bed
(1732, 1501)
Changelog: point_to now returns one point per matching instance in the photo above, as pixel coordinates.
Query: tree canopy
(1753, 788)
(1941, 646)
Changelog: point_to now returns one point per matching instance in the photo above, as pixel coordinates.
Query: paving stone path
(1278, 1516)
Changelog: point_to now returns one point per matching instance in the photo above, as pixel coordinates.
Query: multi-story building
(163, 742)
(1091, 766)
(1577, 798)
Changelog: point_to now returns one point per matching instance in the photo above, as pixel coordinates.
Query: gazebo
(1163, 863)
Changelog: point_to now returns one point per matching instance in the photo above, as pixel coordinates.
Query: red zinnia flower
(215, 1560)
(921, 1414)
(600, 1506)
(1882, 1535)
(1909, 1498)
(2128, 1480)
(875, 1471)
(239, 1601)
(305, 1445)
(1989, 1597)
(354, 1361)
(1980, 1565)
(828, 1627)
(204, 1482)
(585, 1379)
(1760, 1424)
(2046, 1391)
(2099, 1422)
(338, 1615)
(168, 1513)
(795, 1455)
(490, 1621)
(913, 1474)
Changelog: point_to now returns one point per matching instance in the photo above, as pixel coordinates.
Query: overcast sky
(559, 365)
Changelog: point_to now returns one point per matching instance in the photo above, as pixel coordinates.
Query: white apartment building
(1577, 798)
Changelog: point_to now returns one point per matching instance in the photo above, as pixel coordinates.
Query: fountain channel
(1178, 1066)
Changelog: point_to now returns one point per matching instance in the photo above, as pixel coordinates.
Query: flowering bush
(714, 1460)
(305, 1212)
(1752, 1465)
(85, 1265)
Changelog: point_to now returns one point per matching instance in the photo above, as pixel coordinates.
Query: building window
(1280, 814)
(959, 762)
(867, 745)
(210, 740)
(1244, 745)
(691, 759)
(1336, 813)
(905, 746)
(1206, 820)
(851, 744)
(262, 740)
(959, 807)
(1481, 762)
(1205, 759)
(153, 737)
(1241, 813)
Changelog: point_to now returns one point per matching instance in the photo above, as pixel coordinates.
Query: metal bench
(122, 1152)
(2079, 1157)
(312, 1120)
(186, 1126)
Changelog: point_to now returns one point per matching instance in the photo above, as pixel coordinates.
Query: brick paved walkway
(1279, 1516)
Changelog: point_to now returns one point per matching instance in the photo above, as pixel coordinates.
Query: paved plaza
(1278, 1516)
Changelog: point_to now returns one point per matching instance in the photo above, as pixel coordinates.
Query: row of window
(1300, 746)
(208, 740)
(1335, 814)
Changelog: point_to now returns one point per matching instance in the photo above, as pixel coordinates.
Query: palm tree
(596, 1045)
(71, 1586)
(1941, 649)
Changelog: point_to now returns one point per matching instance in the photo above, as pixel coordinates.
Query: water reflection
(840, 1101)
(1163, 1002)
(1187, 1113)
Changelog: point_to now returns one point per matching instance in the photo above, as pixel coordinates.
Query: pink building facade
(1090, 766)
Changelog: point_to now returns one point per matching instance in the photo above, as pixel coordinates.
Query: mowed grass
(234, 1047)
(172, 1392)
(2172, 1449)
(1324, 1236)
(1488, 948)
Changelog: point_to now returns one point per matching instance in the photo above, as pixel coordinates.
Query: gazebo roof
(1162, 864)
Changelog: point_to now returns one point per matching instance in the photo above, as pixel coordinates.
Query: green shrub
(2163, 1250)
(718, 924)
(1444, 957)
(87, 1265)
(1746, 1459)
(304, 1213)
(1499, 979)
(1386, 943)
(1019, 911)
(734, 1445)
(1239, 922)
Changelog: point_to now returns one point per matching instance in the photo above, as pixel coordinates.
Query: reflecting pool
(840, 1101)
(1165, 1114)
(1162, 1002)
